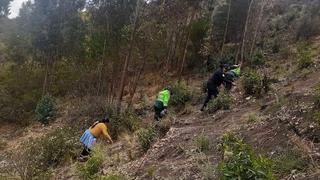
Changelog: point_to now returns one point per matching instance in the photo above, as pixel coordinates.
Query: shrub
(203, 143)
(39, 155)
(288, 161)
(20, 89)
(241, 162)
(146, 138)
(252, 118)
(257, 59)
(304, 56)
(127, 121)
(255, 83)
(164, 127)
(94, 164)
(223, 101)
(46, 109)
(181, 93)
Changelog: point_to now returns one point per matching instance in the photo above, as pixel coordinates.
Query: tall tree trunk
(264, 2)
(45, 81)
(185, 51)
(226, 28)
(245, 31)
(128, 57)
(135, 83)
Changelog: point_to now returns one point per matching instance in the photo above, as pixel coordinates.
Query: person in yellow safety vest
(161, 104)
(88, 139)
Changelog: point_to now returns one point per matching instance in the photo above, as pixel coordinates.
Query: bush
(38, 156)
(203, 143)
(127, 121)
(94, 164)
(146, 138)
(20, 89)
(223, 101)
(304, 56)
(288, 161)
(46, 109)
(257, 59)
(181, 93)
(255, 83)
(241, 162)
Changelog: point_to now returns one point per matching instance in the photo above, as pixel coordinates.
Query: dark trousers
(85, 152)
(212, 91)
(158, 108)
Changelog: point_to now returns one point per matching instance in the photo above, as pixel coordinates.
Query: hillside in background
(66, 64)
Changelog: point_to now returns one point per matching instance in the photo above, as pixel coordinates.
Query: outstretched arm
(106, 135)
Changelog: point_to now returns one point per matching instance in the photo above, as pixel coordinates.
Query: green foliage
(204, 87)
(46, 109)
(257, 59)
(254, 83)
(38, 156)
(181, 93)
(127, 121)
(288, 161)
(20, 90)
(241, 162)
(222, 102)
(94, 164)
(304, 56)
(203, 143)
(146, 138)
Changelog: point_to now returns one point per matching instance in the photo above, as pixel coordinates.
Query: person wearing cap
(161, 104)
(214, 83)
(230, 76)
(88, 139)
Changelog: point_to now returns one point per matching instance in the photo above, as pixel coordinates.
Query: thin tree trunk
(135, 83)
(258, 26)
(245, 31)
(226, 28)
(45, 81)
(128, 57)
(186, 47)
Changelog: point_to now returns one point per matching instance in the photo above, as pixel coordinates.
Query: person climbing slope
(230, 76)
(88, 139)
(161, 104)
(214, 83)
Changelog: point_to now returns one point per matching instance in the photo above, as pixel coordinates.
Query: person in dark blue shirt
(214, 83)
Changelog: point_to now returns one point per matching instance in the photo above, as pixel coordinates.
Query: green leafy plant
(181, 93)
(222, 102)
(203, 143)
(94, 164)
(241, 162)
(254, 83)
(46, 109)
(146, 138)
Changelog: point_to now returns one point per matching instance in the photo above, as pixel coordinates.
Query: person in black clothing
(214, 83)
